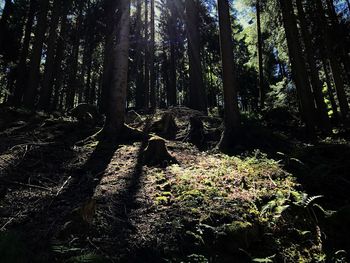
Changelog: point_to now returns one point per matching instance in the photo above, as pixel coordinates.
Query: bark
(6, 13)
(112, 17)
(47, 85)
(324, 121)
(330, 91)
(231, 111)
(60, 51)
(22, 65)
(196, 90)
(152, 59)
(117, 99)
(339, 37)
(146, 52)
(261, 85)
(299, 72)
(171, 87)
(73, 80)
(156, 153)
(140, 92)
(331, 55)
(35, 61)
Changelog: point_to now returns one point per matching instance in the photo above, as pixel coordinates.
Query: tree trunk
(299, 72)
(6, 13)
(231, 111)
(172, 66)
(22, 65)
(35, 61)
(196, 90)
(61, 46)
(140, 87)
(330, 90)
(73, 80)
(47, 85)
(117, 97)
(152, 59)
(146, 51)
(330, 53)
(324, 121)
(261, 84)
(111, 17)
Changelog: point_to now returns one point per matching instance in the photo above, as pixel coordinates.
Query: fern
(309, 200)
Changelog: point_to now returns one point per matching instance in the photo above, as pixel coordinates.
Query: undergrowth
(242, 208)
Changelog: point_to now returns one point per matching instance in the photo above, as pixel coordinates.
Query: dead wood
(157, 153)
(165, 127)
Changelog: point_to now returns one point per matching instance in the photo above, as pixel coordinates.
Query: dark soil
(65, 200)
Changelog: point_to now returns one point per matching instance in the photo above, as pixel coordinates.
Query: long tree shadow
(45, 224)
(126, 205)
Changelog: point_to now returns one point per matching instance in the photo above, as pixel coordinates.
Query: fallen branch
(35, 144)
(26, 185)
(63, 185)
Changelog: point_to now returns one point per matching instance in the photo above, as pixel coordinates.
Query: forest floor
(279, 198)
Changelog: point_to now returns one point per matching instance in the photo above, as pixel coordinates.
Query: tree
(172, 32)
(316, 84)
(29, 97)
(117, 94)
(47, 85)
(196, 90)
(299, 73)
(22, 64)
(73, 79)
(139, 45)
(231, 112)
(152, 59)
(328, 45)
(260, 55)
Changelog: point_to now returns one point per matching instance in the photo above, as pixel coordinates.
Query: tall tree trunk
(4, 20)
(146, 61)
(60, 51)
(324, 121)
(152, 59)
(140, 85)
(330, 91)
(196, 89)
(111, 7)
(73, 80)
(299, 72)
(261, 83)
(339, 37)
(172, 85)
(22, 65)
(331, 55)
(117, 100)
(47, 85)
(35, 61)
(231, 111)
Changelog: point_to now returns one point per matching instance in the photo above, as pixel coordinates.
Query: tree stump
(165, 127)
(196, 133)
(157, 153)
(86, 114)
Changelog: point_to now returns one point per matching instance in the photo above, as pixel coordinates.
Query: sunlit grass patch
(217, 180)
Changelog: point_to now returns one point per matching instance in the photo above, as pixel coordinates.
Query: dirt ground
(64, 200)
